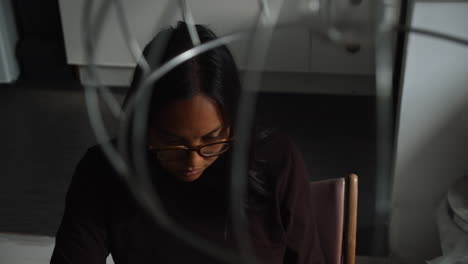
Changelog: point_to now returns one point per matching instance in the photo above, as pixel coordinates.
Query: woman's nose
(194, 159)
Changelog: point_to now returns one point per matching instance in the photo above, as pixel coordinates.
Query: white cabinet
(111, 50)
(293, 48)
(288, 51)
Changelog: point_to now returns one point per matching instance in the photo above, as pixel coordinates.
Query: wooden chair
(335, 201)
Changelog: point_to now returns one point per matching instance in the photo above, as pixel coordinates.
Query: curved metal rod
(131, 41)
(259, 43)
(102, 13)
(101, 134)
(384, 105)
(122, 142)
(91, 96)
(188, 18)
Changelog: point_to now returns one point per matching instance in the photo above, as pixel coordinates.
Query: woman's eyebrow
(167, 133)
(213, 131)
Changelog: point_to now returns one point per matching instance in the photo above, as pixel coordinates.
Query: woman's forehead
(189, 134)
(195, 116)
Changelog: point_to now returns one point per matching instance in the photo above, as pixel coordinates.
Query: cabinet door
(289, 47)
(332, 58)
(288, 51)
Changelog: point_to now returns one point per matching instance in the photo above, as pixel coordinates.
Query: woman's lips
(189, 173)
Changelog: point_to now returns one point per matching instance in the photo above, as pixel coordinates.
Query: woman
(190, 134)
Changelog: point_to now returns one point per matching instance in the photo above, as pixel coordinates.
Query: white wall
(432, 143)
(9, 70)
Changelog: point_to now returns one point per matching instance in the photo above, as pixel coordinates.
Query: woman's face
(189, 122)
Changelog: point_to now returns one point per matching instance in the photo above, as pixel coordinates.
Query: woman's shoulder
(94, 155)
(95, 160)
(272, 145)
(95, 175)
(281, 158)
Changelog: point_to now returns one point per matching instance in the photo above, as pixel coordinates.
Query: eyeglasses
(169, 153)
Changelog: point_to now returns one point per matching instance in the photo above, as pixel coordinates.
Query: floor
(39, 250)
(46, 130)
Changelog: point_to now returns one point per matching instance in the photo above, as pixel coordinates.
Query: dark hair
(213, 74)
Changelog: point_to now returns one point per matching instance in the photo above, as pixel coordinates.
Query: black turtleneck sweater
(101, 217)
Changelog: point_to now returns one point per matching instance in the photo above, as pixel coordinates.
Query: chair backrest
(335, 204)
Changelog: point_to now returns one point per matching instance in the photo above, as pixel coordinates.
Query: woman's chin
(189, 176)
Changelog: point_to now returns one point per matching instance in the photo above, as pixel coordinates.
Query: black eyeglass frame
(193, 148)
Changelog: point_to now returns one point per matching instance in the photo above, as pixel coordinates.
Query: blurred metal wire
(384, 50)
(125, 118)
(139, 186)
(259, 39)
(91, 37)
(188, 18)
(258, 43)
